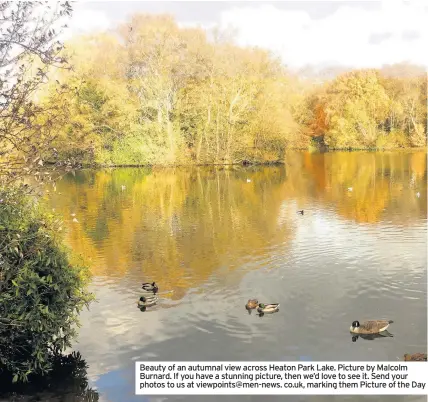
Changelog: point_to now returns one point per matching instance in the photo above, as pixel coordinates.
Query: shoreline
(245, 163)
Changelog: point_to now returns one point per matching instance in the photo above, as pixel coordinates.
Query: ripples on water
(212, 241)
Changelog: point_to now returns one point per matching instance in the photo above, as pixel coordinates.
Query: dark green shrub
(41, 292)
(68, 381)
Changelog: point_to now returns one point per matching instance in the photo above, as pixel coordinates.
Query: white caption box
(281, 378)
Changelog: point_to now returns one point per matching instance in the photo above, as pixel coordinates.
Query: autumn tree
(100, 110)
(355, 104)
(370, 109)
(152, 92)
(29, 48)
(41, 292)
(407, 90)
(159, 65)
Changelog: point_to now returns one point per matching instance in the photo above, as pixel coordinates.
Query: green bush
(41, 292)
(68, 381)
(136, 148)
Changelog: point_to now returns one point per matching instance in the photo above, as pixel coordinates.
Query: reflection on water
(372, 337)
(212, 240)
(67, 382)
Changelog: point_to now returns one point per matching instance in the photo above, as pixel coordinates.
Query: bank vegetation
(152, 93)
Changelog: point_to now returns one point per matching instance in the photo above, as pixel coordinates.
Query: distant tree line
(154, 93)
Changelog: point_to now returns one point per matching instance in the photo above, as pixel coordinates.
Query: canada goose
(268, 308)
(370, 327)
(301, 212)
(252, 304)
(415, 357)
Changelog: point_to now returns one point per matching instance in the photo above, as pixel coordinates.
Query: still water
(212, 238)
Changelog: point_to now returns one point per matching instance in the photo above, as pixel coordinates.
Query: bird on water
(370, 326)
(150, 287)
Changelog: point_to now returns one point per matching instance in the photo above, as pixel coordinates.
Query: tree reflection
(67, 381)
(179, 226)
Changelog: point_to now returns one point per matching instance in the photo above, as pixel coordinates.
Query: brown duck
(415, 357)
(252, 304)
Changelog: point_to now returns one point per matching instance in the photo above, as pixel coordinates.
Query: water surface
(214, 237)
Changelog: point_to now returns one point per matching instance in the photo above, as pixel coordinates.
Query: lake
(214, 237)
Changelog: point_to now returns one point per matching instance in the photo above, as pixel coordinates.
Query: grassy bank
(311, 149)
